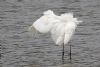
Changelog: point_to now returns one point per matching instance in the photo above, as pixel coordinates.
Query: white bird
(61, 27)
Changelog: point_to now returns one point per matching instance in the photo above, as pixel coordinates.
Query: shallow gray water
(20, 49)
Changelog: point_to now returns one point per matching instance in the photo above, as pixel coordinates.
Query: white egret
(61, 27)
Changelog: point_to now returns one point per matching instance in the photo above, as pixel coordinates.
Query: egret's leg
(63, 53)
(70, 54)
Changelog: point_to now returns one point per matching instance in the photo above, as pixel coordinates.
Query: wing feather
(45, 23)
(57, 33)
(69, 31)
(42, 25)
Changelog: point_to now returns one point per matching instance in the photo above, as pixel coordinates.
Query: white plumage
(44, 23)
(61, 27)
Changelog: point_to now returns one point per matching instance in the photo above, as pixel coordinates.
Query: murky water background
(20, 49)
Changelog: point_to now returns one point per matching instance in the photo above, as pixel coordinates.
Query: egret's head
(49, 12)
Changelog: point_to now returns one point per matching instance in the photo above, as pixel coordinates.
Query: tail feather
(33, 31)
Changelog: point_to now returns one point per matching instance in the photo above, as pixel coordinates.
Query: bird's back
(45, 22)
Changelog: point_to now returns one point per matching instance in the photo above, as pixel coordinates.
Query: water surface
(20, 49)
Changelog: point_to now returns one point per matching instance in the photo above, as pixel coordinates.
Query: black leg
(63, 53)
(70, 54)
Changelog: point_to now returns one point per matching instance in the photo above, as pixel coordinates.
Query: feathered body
(61, 27)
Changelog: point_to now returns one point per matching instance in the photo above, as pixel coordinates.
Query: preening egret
(61, 27)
